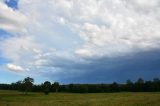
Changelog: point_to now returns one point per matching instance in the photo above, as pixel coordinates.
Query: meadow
(15, 98)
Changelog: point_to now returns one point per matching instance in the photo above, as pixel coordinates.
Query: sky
(79, 41)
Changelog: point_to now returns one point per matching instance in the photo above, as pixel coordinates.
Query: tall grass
(14, 98)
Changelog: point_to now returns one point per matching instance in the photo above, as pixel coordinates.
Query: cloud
(113, 29)
(10, 20)
(145, 4)
(19, 49)
(101, 70)
(15, 68)
(122, 29)
(68, 36)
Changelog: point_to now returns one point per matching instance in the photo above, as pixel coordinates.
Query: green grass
(14, 98)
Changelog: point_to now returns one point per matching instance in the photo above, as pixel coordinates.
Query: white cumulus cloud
(15, 68)
(10, 20)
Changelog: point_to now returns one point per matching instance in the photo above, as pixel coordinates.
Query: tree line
(27, 85)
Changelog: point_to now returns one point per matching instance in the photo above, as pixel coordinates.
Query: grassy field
(14, 98)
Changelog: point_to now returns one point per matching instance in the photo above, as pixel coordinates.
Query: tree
(71, 86)
(114, 87)
(156, 84)
(19, 85)
(156, 80)
(27, 84)
(129, 85)
(139, 85)
(56, 86)
(46, 87)
(140, 81)
(148, 86)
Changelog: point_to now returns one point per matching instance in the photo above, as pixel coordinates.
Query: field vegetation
(15, 98)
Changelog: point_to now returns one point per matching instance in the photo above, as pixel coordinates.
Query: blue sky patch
(12, 3)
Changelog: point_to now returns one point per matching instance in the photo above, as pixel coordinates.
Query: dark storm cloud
(144, 64)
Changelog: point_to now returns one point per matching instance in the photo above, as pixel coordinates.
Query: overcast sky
(79, 41)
